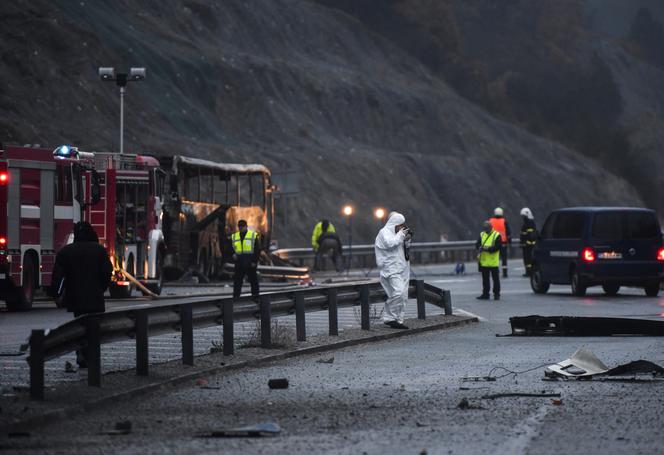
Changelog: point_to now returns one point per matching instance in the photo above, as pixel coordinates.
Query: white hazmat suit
(394, 268)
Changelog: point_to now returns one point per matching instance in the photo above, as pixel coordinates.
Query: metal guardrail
(89, 332)
(420, 253)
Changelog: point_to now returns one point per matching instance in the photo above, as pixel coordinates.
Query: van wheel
(538, 285)
(611, 288)
(652, 290)
(21, 298)
(578, 286)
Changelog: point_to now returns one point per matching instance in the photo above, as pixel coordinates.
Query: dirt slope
(291, 84)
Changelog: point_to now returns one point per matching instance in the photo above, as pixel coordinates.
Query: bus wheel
(21, 298)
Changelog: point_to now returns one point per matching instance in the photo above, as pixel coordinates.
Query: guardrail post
(300, 326)
(229, 348)
(266, 323)
(187, 328)
(447, 302)
(37, 364)
(364, 307)
(93, 355)
(142, 362)
(332, 311)
(419, 291)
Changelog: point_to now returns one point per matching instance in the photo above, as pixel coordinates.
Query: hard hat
(498, 211)
(526, 212)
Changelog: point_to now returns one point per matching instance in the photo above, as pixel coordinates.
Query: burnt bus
(203, 201)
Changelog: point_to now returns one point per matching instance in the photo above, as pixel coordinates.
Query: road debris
(201, 382)
(250, 431)
(585, 365)
(583, 326)
(121, 428)
(69, 368)
(542, 394)
(465, 404)
(279, 383)
(557, 402)
(330, 360)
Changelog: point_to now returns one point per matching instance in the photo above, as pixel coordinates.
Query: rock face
(290, 84)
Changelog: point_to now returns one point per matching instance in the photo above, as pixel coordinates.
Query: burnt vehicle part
(583, 326)
(584, 364)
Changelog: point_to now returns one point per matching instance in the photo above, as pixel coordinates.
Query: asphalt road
(402, 396)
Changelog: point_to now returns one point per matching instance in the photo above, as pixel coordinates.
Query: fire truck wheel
(119, 292)
(21, 298)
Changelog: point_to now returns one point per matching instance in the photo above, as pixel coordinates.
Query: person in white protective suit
(392, 260)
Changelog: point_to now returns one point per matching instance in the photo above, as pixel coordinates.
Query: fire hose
(139, 285)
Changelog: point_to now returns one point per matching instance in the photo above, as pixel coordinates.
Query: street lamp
(108, 74)
(379, 213)
(348, 211)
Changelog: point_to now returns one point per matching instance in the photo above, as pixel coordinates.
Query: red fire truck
(44, 192)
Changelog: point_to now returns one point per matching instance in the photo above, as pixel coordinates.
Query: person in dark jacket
(528, 239)
(82, 271)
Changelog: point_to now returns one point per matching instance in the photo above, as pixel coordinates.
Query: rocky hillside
(290, 83)
(584, 73)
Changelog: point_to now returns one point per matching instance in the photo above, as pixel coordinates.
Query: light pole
(108, 74)
(348, 211)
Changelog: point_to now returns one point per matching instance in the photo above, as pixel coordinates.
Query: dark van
(607, 246)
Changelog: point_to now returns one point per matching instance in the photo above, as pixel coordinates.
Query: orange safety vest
(498, 225)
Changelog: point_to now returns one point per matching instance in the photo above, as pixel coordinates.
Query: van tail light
(588, 255)
(660, 254)
(3, 242)
(4, 177)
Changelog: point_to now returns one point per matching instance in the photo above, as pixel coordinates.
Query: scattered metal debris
(330, 360)
(121, 428)
(465, 404)
(201, 382)
(478, 379)
(557, 402)
(585, 365)
(280, 383)
(251, 431)
(583, 326)
(18, 434)
(542, 394)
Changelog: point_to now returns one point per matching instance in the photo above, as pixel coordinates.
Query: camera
(408, 231)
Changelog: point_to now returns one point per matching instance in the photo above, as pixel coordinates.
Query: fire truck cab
(43, 192)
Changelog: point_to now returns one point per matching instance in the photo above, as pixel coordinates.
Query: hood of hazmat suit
(389, 248)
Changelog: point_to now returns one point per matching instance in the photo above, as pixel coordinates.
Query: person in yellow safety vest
(324, 239)
(322, 227)
(499, 224)
(488, 245)
(246, 251)
(528, 238)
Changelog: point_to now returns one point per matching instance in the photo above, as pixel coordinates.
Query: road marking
(524, 433)
(469, 314)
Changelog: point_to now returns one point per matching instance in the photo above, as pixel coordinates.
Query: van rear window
(642, 225)
(568, 225)
(625, 225)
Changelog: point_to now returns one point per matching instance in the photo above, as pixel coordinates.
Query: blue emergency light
(65, 151)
